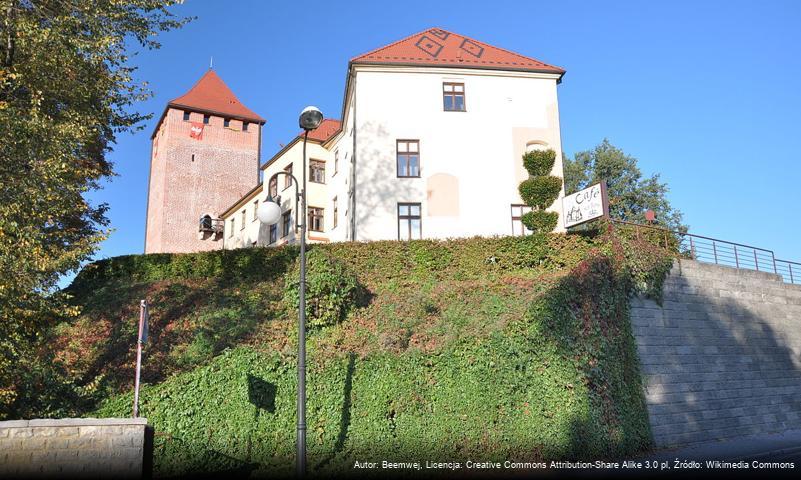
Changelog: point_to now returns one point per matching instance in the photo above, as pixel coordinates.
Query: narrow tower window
(186, 116)
(206, 119)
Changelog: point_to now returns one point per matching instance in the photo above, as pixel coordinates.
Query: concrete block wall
(76, 447)
(721, 358)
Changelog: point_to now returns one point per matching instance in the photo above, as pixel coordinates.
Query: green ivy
(331, 291)
(559, 381)
(499, 348)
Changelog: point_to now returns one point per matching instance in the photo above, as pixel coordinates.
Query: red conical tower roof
(438, 47)
(211, 95)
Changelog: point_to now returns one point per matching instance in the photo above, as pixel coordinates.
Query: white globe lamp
(269, 212)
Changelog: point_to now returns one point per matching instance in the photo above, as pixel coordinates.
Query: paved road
(763, 456)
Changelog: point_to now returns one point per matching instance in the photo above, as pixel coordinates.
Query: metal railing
(722, 252)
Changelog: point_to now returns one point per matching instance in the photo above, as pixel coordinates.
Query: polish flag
(196, 131)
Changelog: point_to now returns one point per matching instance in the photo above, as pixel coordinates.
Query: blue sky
(708, 94)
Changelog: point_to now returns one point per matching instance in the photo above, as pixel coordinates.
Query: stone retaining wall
(76, 447)
(722, 356)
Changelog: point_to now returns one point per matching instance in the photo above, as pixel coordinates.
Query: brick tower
(205, 157)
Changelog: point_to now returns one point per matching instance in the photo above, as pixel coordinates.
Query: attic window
(227, 122)
(186, 116)
(206, 119)
(245, 126)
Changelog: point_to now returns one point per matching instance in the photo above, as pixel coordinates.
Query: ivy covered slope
(503, 348)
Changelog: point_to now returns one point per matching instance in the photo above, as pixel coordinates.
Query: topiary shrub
(540, 190)
(331, 290)
(540, 221)
(539, 162)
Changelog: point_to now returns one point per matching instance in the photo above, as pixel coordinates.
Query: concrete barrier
(76, 447)
(722, 356)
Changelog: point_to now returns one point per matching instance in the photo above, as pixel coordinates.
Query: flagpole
(142, 309)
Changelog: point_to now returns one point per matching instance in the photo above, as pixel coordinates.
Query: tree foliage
(630, 194)
(540, 190)
(66, 91)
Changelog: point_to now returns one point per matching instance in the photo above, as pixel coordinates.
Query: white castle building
(429, 145)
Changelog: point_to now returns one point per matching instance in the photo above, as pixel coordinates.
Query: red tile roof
(325, 131)
(439, 47)
(210, 94)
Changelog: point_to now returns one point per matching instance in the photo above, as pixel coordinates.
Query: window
(255, 210)
(273, 233)
(288, 178)
(286, 223)
(226, 122)
(316, 222)
(273, 187)
(317, 171)
(206, 119)
(231, 230)
(244, 216)
(335, 209)
(517, 225)
(336, 161)
(245, 126)
(409, 227)
(453, 97)
(186, 116)
(408, 158)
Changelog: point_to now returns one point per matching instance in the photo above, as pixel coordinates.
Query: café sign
(585, 205)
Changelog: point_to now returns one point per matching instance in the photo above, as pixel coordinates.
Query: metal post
(791, 272)
(301, 440)
(773, 257)
(715, 252)
(736, 257)
(142, 307)
(756, 261)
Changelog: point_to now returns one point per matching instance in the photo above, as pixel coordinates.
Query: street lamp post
(269, 212)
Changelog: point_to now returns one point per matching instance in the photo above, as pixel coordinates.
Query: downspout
(353, 169)
(258, 157)
(147, 208)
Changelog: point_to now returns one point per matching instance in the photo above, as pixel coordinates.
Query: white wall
(470, 162)
(255, 231)
(481, 148)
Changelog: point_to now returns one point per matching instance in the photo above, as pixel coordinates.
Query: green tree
(66, 91)
(540, 190)
(630, 194)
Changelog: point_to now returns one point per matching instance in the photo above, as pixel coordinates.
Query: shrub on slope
(468, 348)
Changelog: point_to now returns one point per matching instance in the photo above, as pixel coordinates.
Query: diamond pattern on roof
(438, 47)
